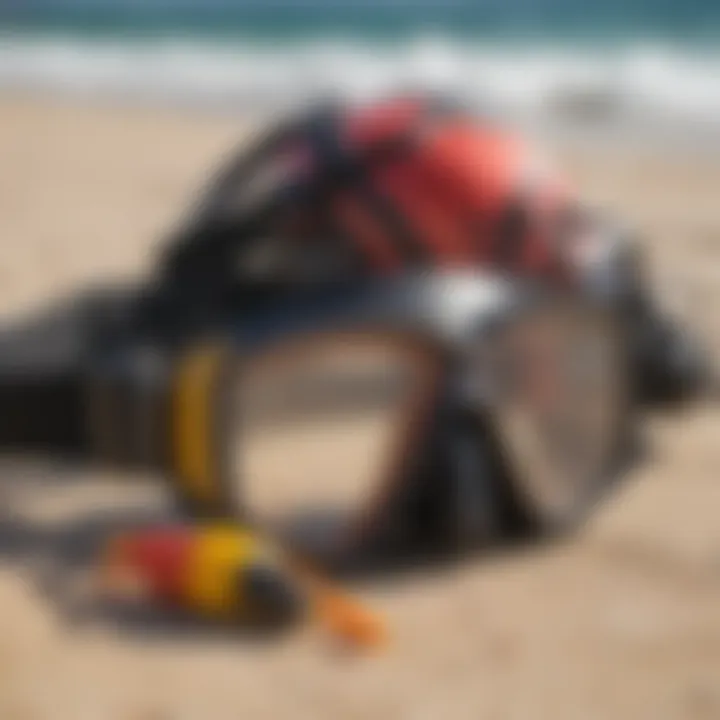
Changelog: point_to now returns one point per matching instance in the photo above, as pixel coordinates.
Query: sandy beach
(620, 621)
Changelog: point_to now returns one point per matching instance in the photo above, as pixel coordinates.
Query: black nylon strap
(223, 227)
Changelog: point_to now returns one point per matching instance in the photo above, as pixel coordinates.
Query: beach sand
(620, 621)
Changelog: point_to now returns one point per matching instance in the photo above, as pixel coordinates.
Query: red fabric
(454, 186)
(161, 558)
(460, 174)
(382, 121)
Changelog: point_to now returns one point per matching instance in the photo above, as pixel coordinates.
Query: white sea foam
(634, 81)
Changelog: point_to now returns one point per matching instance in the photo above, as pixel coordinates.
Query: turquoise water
(668, 20)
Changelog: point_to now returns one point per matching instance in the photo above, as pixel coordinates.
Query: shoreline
(586, 134)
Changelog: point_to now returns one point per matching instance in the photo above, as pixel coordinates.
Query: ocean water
(640, 60)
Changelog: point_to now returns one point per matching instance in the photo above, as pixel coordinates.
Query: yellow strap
(219, 556)
(192, 422)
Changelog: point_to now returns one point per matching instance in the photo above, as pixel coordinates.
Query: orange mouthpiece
(349, 621)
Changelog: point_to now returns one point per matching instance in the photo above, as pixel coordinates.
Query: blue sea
(638, 58)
